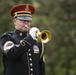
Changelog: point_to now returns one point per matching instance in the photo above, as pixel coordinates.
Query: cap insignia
(27, 7)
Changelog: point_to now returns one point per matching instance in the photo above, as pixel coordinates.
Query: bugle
(44, 36)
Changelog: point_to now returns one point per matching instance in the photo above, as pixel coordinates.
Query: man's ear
(14, 21)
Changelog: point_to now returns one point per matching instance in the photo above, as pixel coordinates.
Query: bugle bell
(44, 36)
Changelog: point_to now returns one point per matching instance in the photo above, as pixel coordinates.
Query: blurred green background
(57, 16)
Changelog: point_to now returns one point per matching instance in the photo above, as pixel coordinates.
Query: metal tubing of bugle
(43, 36)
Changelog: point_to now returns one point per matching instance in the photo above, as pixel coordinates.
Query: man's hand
(33, 32)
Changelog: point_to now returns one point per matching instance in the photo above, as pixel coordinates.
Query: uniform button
(29, 54)
(20, 34)
(30, 59)
(29, 50)
(31, 69)
(31, 64)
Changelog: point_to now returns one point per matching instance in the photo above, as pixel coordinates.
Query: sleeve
(12, 50)
(42, 61)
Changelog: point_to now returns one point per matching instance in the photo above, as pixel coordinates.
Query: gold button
(20, 34)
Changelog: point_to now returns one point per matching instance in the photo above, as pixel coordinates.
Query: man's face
(21, 25)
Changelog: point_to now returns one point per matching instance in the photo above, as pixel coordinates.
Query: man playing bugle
(22, 53)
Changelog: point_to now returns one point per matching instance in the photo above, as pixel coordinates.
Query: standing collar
(19, 33)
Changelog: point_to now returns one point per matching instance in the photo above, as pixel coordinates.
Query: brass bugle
(44, 36)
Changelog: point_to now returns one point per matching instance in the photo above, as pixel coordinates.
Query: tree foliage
(57, 16)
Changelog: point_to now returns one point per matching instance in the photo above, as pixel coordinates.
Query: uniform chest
(33, 53)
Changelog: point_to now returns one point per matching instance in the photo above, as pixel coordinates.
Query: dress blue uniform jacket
(21, 54)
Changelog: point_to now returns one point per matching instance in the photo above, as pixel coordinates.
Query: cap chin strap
(22, 13)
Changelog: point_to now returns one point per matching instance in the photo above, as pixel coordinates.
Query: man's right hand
(33, 32)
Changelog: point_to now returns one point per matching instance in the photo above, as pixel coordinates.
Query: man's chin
(25, 30)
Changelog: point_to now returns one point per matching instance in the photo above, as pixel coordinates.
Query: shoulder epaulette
(6, 34)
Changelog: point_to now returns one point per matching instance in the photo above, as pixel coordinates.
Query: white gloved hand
(33, 32)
